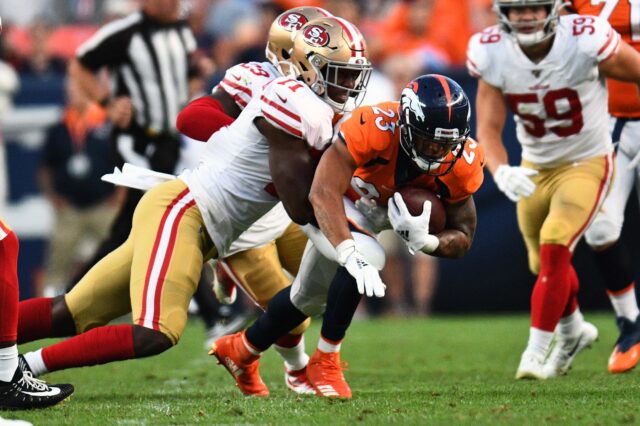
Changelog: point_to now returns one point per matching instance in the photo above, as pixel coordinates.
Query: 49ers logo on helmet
(316, 36)
(293, 21)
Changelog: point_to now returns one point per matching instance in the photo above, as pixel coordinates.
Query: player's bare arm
(331, 181)
(455, 241)
(491, 113)
(292, 170)
(228, 104)
(623, 65)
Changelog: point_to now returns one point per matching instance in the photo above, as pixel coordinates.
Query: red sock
(553, 287)
(572, 303)
(98, 346)
(289, 340)
(35, 320)
(9, 289)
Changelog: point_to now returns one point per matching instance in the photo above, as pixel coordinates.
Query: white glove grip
(344, 250)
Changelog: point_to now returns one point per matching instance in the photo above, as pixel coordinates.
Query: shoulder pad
(241, 80)
(595, 36)
(291, 106)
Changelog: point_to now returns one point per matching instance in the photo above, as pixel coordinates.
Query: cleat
(627, 350)
(566, 349)
(25, 392)
(531, 367)
(324, 371)
(24, 365)
(232, 353)
(298, 381)
(224, 288)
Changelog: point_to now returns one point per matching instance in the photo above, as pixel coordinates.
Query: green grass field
(443, 370)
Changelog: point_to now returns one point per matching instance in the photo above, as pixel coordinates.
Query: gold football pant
(260, 271)
(154, 273)
(565, 202)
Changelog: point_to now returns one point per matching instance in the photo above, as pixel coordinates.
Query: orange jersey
(624, 17)
(372, 136)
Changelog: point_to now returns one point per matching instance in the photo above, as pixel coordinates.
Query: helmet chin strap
(531, 39)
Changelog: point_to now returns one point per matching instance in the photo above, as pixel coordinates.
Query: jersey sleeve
(291, 106)
(361, 137)
(480, 63)
(109, 45)
(237, 83)
(596, 37)
(467, 174)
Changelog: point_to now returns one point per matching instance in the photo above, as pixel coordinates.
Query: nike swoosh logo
(51, 392)
(575, 348)
(362, 122)
(283, 100)
(236, 77)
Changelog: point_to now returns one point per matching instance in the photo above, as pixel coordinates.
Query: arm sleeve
(237, 83)
(202, 118)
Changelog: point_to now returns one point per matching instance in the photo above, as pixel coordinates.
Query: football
(414, 198)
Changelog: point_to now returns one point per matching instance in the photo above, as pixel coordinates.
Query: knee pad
(603, 231)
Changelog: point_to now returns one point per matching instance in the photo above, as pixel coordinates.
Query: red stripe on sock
(553, 287)
(9, 289)
(630, 287)
(97, 346)
(289, 340)
(35, 319)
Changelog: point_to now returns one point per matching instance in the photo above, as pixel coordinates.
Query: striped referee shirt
(149, 62)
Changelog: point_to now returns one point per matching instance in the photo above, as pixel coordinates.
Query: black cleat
(25, 392)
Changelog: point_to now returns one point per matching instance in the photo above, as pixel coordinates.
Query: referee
(147, 55)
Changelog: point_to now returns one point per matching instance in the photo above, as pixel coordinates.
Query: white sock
(295, 358)
(625, 304)
(8, 362)
(36, 363)
(328, 346)
(539, 341)
(571, 325)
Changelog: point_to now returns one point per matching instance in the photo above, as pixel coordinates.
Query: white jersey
(241, 80)
(560, 103)
(232, 185)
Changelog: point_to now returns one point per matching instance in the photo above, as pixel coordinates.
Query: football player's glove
(375, 214)
(414, 230)
(514, 181)
(367, 276)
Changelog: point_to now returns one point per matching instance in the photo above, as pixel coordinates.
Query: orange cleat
(626, 353)
(325, 374)
(240, 363)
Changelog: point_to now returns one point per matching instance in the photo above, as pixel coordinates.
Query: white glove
(367, 277)
(375, 214)
(514, 181)
(414, 230)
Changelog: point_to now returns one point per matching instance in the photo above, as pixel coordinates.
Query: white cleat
(298, 382)
(566, 349)
(531, 367)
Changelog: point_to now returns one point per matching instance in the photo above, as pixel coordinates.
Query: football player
(549, 69)
(420, 141)
(261, 158)
(258, 259)
(18, 390)
(603, 234)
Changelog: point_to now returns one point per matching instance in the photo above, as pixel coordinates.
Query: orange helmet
(327, 53)
(283, 28)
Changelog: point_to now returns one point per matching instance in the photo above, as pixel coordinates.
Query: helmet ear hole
(285, 54)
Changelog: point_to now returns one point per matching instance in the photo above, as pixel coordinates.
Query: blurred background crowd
(60, 209)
